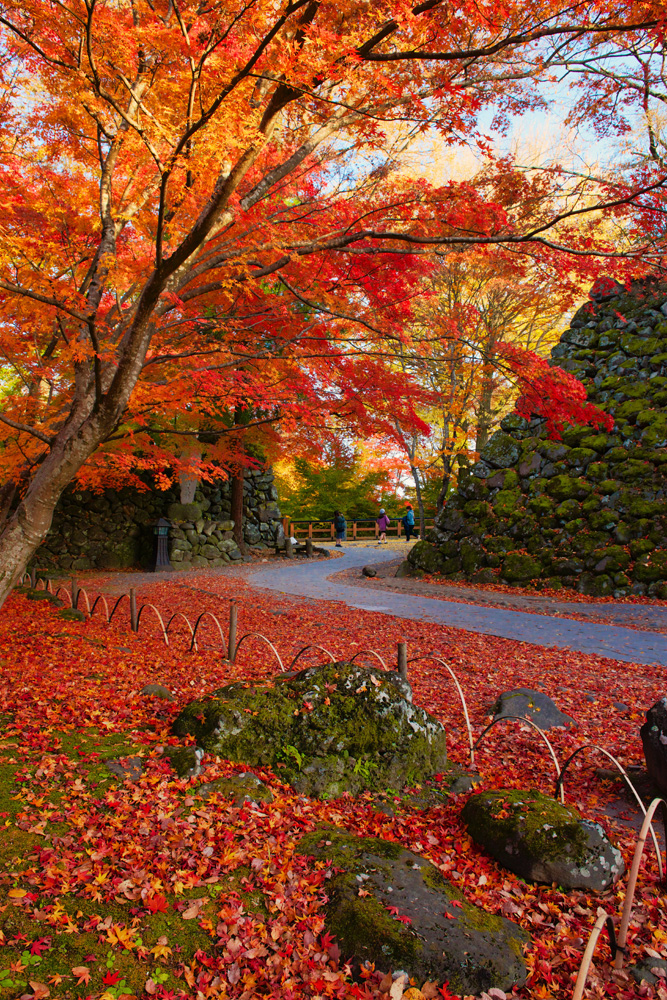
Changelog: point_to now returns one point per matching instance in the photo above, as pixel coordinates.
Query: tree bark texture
(237, 508)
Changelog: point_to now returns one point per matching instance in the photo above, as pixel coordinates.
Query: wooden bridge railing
(365, 528)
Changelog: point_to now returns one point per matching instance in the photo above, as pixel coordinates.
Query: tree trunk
(26, 527)
(237, 508)
(420, 501)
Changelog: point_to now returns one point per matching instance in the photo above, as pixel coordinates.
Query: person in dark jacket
(383, 523)
(408, 522)
(340, 528)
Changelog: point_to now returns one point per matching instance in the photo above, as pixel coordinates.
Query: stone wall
(114, 529)
(588, 512)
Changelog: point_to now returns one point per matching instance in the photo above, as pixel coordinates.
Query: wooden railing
(365, 528)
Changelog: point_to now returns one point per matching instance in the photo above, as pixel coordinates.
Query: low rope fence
(604, 921)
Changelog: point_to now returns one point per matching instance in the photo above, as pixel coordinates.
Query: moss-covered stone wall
(588, 512)
(114, 529)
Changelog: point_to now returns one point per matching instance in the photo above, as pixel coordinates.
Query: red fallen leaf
(157, 903)
(111, 978)
(40, 945)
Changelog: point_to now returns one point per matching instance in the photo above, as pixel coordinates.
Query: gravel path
(310, 580)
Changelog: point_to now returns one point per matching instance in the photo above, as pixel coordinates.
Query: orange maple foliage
(198, 203)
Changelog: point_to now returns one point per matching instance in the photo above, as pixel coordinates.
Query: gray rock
(441, 937)
(533, 705)
(157, 691)
(654, 740)
(369, 571)
(127, 768)
(501, 451)
(650, 970)
(327, 730)
(542, 840)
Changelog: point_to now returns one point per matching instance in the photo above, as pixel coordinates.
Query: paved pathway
(310, 580)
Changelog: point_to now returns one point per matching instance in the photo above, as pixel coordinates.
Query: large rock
(327, 729)
(533, 705)
(654, 740)
(542, 840)
(394, 908)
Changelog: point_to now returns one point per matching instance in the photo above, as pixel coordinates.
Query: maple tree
(162, 163)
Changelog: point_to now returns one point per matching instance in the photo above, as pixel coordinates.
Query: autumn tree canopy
(199, 210)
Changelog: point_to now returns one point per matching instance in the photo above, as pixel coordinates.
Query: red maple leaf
(40, 945)
(157, 903)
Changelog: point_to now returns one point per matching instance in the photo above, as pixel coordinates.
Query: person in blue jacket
(408, 522)
(340, 528)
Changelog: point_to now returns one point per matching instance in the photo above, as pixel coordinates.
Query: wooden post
(289, 551)
(233, 623)
(402, 660)
(310, 529)
(398, 523)
(309, 548)
(354, 531)
(75, 593)
(134, 622)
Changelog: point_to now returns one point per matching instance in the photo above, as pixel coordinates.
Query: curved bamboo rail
(178, 614)
(83, 593)
(102, 598)
(116, 605)
(632, 880)
(193, 644)
(439, 659)
(332, 658)
(64, 590)
(602, 921)
(619, 766)
(371, 652)
(258, 635)
(159, 618)
(540, 732)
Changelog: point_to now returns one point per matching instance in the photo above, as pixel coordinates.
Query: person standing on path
(383, 523)
(340, 528)
(408, 521)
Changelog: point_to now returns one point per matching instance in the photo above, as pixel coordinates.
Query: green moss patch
(392, 907)
(326, 730)
(541, 839)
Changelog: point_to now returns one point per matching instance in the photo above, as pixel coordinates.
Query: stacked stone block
(114, 529)
(589, 511)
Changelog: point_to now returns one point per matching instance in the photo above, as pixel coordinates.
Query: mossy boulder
(501, 451)
(184, 512)
(652, 566)
(519, 566)
(425, 557)
(542, 840)
(328, 730)
(410, 917)
(505, 502)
